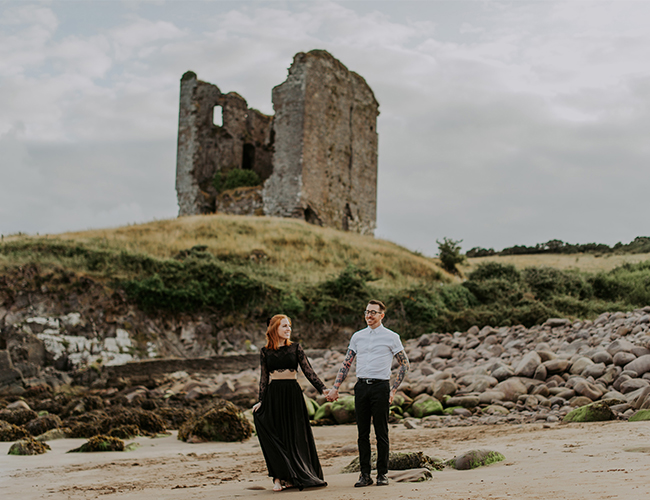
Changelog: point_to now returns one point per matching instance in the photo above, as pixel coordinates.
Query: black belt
(371, 380)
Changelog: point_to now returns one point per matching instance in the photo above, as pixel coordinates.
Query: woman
(281, 418)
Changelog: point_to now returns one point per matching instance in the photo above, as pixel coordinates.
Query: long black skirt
(282, 425)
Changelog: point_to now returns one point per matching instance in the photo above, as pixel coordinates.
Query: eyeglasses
(372, 314)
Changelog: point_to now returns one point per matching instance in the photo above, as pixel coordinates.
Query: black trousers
(371, 403)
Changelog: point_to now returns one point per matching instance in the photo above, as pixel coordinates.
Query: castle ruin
(316, 158)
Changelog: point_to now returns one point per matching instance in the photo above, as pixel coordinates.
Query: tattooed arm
(340, 377)
(403, 368)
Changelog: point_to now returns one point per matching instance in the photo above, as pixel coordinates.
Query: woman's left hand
(256, 406)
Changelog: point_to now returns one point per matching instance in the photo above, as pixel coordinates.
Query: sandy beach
(577, 461)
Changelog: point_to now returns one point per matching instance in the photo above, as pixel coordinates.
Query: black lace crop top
(286, 358)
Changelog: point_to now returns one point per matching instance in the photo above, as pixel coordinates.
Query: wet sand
(577, 461)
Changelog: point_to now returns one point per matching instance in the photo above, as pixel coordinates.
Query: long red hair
(272, 337)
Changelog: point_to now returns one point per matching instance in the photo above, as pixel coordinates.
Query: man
(374, 347)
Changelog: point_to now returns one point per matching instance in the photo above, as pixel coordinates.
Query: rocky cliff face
(59, 323)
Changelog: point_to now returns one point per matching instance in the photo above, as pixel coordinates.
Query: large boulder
(223, 422)
(594, 412)
(10, 432)
(511, 388)
(425, 405)
(588, 390)
(463, 401)
(28, 446)
(640, 415)
(325, 411)
(527, 366)
(42, 424)
(399, 461)
(100, 443)
(554, 366)
(580, 364)
(475, 458)
(640, 365)
(343, 410)
(623, 358)
(444, 387)
(9, 375)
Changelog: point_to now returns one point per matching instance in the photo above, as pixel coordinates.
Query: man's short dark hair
(379, 303)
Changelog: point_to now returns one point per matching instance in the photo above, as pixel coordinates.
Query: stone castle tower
(317, 157)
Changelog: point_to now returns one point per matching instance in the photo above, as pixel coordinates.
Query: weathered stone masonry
(317, 156)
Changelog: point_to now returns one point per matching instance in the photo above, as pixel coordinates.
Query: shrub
(449, 253)
(237, 177)
(495, 270)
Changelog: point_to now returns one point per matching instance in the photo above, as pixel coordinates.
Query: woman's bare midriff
(284, 375)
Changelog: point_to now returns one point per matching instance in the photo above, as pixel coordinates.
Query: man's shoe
(382, 480)
(364, 480)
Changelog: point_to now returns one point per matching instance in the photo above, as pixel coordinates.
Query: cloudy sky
(502, 122)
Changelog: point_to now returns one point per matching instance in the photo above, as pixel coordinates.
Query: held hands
(392, 395)
(257, 406)
(332, 394)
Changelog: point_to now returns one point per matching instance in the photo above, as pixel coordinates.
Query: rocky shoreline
(487, 376)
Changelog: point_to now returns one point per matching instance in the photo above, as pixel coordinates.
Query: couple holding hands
(281, 418)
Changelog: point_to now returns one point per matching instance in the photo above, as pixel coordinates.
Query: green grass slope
(248, 268)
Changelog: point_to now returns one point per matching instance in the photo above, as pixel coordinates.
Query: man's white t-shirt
(375, 350)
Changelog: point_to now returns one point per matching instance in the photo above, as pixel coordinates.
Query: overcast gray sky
(502, 122)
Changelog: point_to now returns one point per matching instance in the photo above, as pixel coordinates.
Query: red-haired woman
(281, 418)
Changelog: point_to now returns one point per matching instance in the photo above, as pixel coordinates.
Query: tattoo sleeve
(345, 368)
(403, 368)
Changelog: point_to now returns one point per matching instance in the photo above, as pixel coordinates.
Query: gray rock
(546, 355)
(580, 364)
(595, 370)
(602, 357)
(464, 401)
(503, 372)
(623, 358)
(444, 387)
(554, 366)
(540, 373)
(527, 366)
(633, 384)
(620, 345)
(9, 375)
(511, 388)
(640, 365)
(475, 458)
(588, 390)
(557, 322)
(489, 397)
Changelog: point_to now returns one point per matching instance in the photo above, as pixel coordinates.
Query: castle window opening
(248, 158)
(217, 116)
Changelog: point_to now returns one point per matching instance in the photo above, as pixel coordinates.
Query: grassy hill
(242, 269)
(283, 253)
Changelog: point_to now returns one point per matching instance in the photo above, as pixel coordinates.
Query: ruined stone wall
(325, 161)
(243, 141)
(317, 156)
